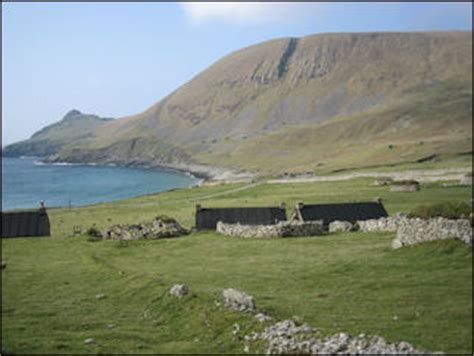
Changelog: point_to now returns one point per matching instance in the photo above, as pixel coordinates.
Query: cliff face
(296, 104)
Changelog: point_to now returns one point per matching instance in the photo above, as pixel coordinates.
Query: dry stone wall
(419, 230)
(282, 229)
(388, 224)
(415, 230)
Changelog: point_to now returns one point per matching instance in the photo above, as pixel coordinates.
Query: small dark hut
(340, 211)
(25, 223)
(207, 218)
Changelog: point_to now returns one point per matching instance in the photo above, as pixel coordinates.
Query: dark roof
(207, 218)
(25, 223)
(343, 212)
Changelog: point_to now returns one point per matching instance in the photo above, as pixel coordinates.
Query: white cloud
(246, 12)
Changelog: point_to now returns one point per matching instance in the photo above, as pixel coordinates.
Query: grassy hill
(321, 102)
(351, 282)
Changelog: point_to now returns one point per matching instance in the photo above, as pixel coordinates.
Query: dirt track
(431, 175)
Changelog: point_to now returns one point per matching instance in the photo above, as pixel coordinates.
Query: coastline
(203, 173)
(192, 180)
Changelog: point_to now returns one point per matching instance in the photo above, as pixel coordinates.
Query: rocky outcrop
(161, 227)
(282, 229)
(237, 300)
(419, 230)
(286, 337)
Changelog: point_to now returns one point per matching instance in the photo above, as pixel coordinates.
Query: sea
(26, 181)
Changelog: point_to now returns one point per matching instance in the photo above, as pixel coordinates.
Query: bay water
(27, 181)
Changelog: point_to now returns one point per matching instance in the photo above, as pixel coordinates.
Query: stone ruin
(160, 227)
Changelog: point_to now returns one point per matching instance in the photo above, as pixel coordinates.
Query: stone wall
(415, 230)
(389, 224)
(282, 229)
(419, 230)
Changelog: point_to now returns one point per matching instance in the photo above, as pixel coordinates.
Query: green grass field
(350, 282)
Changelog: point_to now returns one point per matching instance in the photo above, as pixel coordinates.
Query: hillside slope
(324, 101)
(74, 127)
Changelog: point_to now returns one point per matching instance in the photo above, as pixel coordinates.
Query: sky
(117, 59)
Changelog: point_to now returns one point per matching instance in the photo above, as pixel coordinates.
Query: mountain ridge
(254, 109)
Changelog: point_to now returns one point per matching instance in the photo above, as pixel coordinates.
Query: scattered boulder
(262, 317)
(179, 290)
(100, 296)
(161, 227)
(4, 265)
(396, 244)
(237, 300)
(235, 329)
(286, 337)
(341, 226)
(89, 341)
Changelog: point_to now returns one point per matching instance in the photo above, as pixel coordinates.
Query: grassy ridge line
(320, 103)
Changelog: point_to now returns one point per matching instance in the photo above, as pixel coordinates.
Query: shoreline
(196, 179)
(201, 172)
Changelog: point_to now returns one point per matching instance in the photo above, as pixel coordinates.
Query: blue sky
(117, 59)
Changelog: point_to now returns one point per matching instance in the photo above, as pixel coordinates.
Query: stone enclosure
(282, 229)
(409, 230)
(415, 230)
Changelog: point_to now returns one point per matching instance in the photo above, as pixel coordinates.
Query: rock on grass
(179, 290)
(237, 300)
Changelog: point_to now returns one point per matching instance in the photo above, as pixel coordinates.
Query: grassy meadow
(352, 282)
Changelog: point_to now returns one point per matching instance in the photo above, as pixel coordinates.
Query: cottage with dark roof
(207, 218)
(25, 223)
(351, 212)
